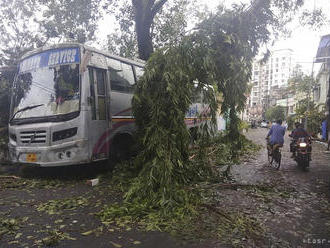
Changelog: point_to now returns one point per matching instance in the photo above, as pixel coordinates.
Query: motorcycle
(302, 152)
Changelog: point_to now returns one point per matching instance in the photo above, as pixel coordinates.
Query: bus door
(99, 118)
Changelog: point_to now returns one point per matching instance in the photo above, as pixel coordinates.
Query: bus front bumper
(69, 153)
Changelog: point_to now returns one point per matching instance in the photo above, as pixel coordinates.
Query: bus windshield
(54, 90)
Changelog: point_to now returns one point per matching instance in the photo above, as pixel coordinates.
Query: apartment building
(268, 81)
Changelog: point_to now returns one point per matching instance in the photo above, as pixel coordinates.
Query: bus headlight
(64, 134)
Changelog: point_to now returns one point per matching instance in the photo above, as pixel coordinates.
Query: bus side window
(128, 76)
(92, 92)
(121, 76)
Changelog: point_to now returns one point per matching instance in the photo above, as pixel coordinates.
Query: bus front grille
(29, 137)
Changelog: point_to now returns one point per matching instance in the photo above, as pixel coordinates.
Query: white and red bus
(71, 104)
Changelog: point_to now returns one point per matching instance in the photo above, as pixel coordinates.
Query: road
(291, 207)
(302, 216)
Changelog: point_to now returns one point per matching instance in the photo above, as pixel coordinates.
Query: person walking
(324, 130)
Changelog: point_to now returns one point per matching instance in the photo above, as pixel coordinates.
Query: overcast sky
(303, 41)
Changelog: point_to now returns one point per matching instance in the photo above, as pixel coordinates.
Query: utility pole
(309, 95)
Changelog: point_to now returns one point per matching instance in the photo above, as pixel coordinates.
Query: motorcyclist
(293, 141)
(298, 132)
(276, 134)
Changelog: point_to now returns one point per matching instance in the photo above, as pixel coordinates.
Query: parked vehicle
(264, 124)
(71, 104)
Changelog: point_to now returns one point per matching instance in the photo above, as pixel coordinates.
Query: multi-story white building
(268, 81)
(280, 66)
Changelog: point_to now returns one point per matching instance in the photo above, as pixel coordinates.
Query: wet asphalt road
(301, 219)
(298, 215)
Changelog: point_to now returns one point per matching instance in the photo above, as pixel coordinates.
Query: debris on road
(93, 182)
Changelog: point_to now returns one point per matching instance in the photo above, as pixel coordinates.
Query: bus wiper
(24, 109)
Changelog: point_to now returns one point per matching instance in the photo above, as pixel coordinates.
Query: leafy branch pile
(195, 208)
(218, 54)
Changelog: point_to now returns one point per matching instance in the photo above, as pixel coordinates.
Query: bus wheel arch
(121, 147)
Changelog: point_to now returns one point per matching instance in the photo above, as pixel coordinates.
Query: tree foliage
(75, 19)
(16, 35)
(301, 84)
(22, 29)
(219, 53)
(308, 109)
(123, 41)
(275, 113)
(16, 39)
(169, 21)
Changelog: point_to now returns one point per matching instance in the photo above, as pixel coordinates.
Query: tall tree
(144, 14)
(168, 27)
(218, 53)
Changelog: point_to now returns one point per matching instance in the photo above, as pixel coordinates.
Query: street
(268, 208)
(299, 213)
